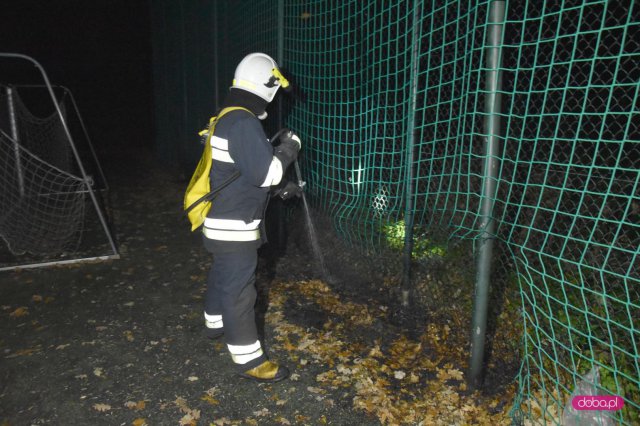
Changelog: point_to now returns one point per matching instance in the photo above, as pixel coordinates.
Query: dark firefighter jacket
(235, 221)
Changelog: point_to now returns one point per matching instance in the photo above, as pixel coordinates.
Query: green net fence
(393, 102)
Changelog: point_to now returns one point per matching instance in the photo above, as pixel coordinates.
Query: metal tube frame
(495, 28)
(15, 135)
(68, 93)
(85, 178)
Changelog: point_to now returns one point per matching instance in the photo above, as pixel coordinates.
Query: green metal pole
(280, 55)
(492, 105)
(280, 210)
(409, 159)
(216, 56)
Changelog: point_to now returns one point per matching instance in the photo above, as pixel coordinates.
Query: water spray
(311, 231)
(301, 183)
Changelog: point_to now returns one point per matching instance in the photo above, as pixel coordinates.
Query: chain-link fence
(393, 102)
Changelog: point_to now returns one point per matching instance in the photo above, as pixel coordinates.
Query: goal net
(51, 208)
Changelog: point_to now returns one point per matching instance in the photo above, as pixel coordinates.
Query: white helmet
(259, 74)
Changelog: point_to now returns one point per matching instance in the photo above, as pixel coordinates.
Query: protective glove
(287, 150)
(288, 190)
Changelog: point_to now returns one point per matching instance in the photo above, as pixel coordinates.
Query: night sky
(100, 50)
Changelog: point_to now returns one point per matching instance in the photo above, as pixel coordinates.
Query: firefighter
(233, 229)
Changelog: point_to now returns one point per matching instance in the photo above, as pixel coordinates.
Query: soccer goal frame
(87, 181)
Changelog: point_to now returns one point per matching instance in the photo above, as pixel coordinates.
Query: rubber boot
(267, 372)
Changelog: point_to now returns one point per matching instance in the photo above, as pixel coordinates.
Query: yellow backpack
(198, 197)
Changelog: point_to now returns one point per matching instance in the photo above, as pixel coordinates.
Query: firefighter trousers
(231, 294)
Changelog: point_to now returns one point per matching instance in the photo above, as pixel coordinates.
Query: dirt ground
(121, 342)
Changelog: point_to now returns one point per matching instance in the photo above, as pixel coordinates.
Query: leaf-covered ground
(121, 342)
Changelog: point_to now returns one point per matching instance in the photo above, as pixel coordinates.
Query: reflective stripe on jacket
(231, 230)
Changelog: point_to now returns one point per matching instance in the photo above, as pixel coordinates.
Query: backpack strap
(212, 194)
(213, 120)
(207, 132)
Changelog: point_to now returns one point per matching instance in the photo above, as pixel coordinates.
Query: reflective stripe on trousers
(213, 321)
(244, 353)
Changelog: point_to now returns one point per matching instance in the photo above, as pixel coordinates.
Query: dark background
(100, 50)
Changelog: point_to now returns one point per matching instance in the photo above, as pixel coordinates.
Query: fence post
(280, 56)
(280, 210)
(216, 56)
(492, 105)
(409, 159)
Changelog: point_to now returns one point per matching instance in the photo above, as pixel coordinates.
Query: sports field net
(47, 215)
(392, 109)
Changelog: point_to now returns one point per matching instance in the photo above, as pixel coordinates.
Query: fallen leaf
(191, 416)
(19, 312)
(181, 403)
(375, 352)
(22, 352)
(98, 371)
(140, 405)
(212, 391)
(263, 412)
(101, 407)
(301, 419)
(210, 400)
(139, 422)
(188, 420)
(455, 374)
(305, 343)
